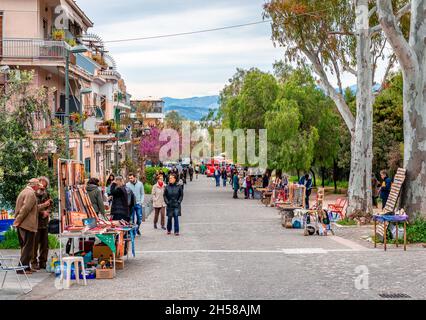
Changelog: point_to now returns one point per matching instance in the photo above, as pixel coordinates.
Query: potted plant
(58, 34)
(71, 42)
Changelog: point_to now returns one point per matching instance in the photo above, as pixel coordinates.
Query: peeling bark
(359, 193)
(412, 58)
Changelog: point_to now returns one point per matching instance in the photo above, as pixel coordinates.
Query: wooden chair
(382, 221)
(338, 207)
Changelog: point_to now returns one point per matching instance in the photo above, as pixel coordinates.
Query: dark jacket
(265, 181)
(386, 188)
(173, 196)
(42, 198)
(307, 183)
(120, 204)
(96, 198)
(235, 182)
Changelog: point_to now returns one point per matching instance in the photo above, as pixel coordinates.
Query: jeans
(224, 182)
(217, 181)
(138, 214)
(175, 217)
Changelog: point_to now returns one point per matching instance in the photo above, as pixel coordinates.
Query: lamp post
(83, 92)
(74, 50)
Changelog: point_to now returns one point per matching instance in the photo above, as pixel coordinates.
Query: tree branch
(404, 10)
(372, 11)
(325, 84)
(391, 63)
(404, 52)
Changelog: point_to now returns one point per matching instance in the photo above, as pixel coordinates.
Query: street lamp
(83, 92)
(74, 50)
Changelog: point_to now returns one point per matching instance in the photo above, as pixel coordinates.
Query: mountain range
(197, 107)
(192, 108)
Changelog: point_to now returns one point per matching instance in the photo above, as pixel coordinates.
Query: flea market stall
(101, 243)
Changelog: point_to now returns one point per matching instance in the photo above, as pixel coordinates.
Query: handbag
(53, 227)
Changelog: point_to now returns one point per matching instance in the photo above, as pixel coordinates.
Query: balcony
(110, 75)
(33, 49)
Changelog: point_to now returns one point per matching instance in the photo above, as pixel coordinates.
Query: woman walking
(224, 176)
(158, 202)
(173, 196)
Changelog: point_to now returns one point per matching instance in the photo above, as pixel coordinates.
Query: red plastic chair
(338, 207)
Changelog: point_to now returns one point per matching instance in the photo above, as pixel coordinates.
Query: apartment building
(150, 109)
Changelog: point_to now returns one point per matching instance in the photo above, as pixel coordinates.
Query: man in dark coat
(173, 196)
(307, 182)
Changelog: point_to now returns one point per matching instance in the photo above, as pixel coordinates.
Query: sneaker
(155, 226)
(164, 228)
(177, 234)
(169, 233)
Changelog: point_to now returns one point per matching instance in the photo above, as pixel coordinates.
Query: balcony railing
(33, 49)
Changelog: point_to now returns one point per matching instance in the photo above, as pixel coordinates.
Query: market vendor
(385, 188)
(95, 195)
(26, 222)
(307, 182)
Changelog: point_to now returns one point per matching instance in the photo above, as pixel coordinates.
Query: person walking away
(41, 243)
(158, 202)
(184, 174)
(265, 180)
(197, 171)
(307, 182)
(191, 173)
(137, 188)
(95, 196)
(173, 196)
(217, 175)
(235, 184)
(224, 176)
(385, 188)
(375, 189)
(26, 222)
(120, 203)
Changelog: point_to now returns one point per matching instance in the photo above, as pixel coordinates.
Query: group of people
(32, 212)
(182, 172)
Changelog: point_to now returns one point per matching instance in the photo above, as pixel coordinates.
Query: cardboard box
(119, 264)
(101, 250)
(104, 274)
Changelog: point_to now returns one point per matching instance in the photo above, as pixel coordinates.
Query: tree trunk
(414, 192)
(411, 56)
(322, 177)
(359, 192)
(335, 174)
(314, 177)
(298, 175)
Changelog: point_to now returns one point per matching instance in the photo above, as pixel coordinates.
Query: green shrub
(416, 231)
(347, 222)
(147, 188)
(150, 174)
(11, 241)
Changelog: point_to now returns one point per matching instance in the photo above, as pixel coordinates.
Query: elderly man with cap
(41, 242)
(26, 220)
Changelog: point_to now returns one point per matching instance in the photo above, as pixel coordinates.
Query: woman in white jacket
(158, 202)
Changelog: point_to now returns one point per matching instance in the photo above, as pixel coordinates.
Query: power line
(191, 32)
(212, 30)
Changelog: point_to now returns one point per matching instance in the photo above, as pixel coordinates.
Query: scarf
(160, 184)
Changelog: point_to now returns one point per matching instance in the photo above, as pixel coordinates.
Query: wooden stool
(387, 219)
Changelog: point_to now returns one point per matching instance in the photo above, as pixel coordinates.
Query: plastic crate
(5, 225)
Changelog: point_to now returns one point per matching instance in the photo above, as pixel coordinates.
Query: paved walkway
(237, 249)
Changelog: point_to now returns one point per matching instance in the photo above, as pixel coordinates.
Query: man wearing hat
(26, 220)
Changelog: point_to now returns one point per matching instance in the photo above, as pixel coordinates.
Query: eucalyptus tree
(335, 37)
(410, 50)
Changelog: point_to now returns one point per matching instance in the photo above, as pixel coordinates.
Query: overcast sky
(194, 65)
